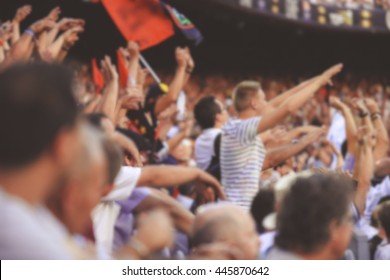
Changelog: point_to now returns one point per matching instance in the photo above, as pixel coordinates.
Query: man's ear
(127, 161)
(254, 104)
(218, 118)
(381, 233)
(333, 230)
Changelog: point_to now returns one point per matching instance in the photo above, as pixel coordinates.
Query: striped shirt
(242, 157)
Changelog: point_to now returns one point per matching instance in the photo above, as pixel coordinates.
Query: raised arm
(20, 15)
(340, 160)
(133, 66)
(190, 65)
(185, 131)
(280, 154)
(350, 124)
(294, 103)
(278, 138)
(109, 100)
(166, 176)
(365, 166)
(382, 144)
(128, 146)
(177, 83)
(21, 50)
(364, 114)
(278, 100)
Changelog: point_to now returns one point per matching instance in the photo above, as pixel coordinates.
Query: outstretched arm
(176, 85)
(166, 176)
(278, 100)
(278, 155)
(294, 103)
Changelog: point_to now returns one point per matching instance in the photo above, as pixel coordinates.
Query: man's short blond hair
(243, 94)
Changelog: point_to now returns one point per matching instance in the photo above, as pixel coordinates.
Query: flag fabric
(181, 22)
(122, 69)
(97, 76)
(143, 21)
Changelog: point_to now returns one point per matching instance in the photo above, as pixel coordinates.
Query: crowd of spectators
(202, 167)
(355, 4)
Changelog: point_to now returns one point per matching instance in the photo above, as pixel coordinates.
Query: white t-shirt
(242, 158)
(266, 242)
(383, 251)
(29, 232)
(204, 147)
(374, 195)
(106, 212)
(337, 133)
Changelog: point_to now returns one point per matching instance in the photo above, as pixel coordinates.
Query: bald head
(92, 152)
(81, 190)
(227, 224)
(382, 168)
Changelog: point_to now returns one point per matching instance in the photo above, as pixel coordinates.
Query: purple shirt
(349, 162)
(124, 225)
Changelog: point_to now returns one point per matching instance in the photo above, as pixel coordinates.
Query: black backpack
(214, 167)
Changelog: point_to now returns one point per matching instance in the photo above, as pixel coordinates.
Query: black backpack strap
(214, 166)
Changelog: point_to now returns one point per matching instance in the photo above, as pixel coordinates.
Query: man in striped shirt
(242, 150)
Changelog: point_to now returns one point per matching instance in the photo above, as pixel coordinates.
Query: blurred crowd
(355, 4)
(108, 162)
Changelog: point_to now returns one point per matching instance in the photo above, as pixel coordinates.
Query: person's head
(248, 96)
(285, 167)
(382, 168)
(74, 200)
(101, 121)
(38, 119)
(210, 112)
(315, 219)
(262, 205)
(384, 220)
(227, 224)
(114, 156)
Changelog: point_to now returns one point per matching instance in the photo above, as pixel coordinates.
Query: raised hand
(109, 71)
(360, 106)
(181, 56)
(326, 77)
(317, 133)
(71, 36)
(366, 136)
(42, 25)
(133, 48)
(372, 105)
(336, 103)
(168, 113)
(210, 181)
(190, 60)
(132, 99)
(54, 14)
(142, 74)
(69, 23)
(22, 13)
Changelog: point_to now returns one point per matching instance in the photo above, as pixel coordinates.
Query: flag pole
(150, 69)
